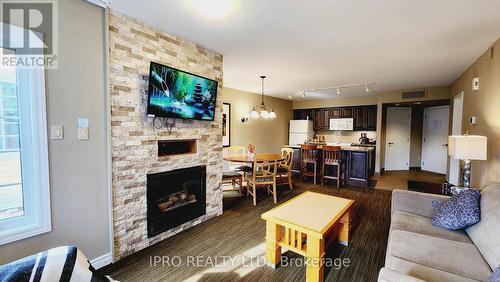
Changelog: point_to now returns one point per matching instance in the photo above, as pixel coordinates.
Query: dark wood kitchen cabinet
(360, 115)
(321, 119)
(326, 119)
(347, 113)
(371, 120)
(335, 112)
(359, 167)
(365, 117)
(318, 119)
(302, 114)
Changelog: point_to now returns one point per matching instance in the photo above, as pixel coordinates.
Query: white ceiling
(302, 45)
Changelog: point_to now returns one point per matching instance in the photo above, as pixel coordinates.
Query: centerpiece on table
(251, 150)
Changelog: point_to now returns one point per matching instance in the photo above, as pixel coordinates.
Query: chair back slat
(264, 170)
(332, 154)
(287, 153)
(309, 152)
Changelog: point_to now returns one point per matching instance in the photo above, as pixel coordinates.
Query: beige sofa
(417, 251)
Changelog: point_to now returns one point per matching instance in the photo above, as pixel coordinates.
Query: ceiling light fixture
(261, 111)
(290, 97)
(356, 89)
(214, 9)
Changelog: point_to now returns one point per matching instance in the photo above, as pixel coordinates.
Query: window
(24, 177)
(11, 193)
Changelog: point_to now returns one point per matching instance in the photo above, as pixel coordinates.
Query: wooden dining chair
(285, 167)
(263, 175)
(309, 155)
(238, 150)
(231, 174)
(332, 157)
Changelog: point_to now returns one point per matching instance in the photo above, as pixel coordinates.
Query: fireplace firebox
(175, 197)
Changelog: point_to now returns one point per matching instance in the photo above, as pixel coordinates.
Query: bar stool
(332, 156)
(309, 156)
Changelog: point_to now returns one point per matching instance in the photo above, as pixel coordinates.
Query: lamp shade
(468, 147)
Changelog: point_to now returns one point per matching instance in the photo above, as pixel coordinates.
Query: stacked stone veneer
(134, 142)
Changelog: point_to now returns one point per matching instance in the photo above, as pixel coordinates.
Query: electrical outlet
(475, 83)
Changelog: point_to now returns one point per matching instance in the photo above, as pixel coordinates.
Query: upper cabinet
(347, 113)
(321, 119)
(371, 119)
(365, 117)
(336, 112)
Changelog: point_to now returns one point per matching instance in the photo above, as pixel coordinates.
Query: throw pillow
(458, 212)
(495, 276)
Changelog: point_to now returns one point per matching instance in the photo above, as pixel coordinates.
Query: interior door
(458, 105)
(397, 147)
(435, 139)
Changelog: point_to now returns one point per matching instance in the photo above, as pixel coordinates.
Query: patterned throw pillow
(458, 212)
(495, 276)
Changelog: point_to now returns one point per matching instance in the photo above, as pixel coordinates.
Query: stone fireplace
(175, 197)
(138, 149)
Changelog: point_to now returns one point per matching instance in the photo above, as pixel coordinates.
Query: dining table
(261, 157)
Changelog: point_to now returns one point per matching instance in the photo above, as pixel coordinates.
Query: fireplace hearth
(175, 197)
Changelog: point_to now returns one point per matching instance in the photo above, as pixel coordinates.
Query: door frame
(387, 134)
(424, 133)
(456, 129)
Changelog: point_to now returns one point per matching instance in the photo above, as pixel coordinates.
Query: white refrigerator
(300, 132)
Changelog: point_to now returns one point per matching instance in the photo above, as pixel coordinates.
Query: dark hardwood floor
(239, 233)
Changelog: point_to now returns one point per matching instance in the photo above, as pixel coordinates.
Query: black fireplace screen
(175, 197)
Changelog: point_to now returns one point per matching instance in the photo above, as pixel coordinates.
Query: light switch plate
(56, 132)
(83, 125)
(475, 83)
(83, 133)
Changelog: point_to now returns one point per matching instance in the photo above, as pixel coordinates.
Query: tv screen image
(177, 94)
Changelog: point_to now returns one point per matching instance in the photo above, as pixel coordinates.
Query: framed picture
(226, 125)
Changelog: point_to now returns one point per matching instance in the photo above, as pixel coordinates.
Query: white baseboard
(102, 261)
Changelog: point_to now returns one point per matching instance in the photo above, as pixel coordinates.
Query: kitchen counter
(358, 162)
(342, 147)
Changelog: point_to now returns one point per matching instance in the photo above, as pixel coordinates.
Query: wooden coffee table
(305, 225)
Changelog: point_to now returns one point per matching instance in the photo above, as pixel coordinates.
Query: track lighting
(303, 94)
(290, 97)
(366, 88)
(338, 91)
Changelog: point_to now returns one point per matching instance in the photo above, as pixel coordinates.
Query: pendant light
(261, 111)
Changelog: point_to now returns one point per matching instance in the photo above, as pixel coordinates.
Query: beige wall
(485, 105)
(266, 135)
(78, 177)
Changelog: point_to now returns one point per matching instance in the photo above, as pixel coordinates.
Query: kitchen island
(358, 163)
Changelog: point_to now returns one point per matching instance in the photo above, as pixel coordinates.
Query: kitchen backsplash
(346, 136)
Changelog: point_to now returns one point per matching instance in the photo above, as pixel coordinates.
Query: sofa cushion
(460, 211)
(495, 276)
(484, 234)
(425, 273)
(389, 275)
(450, 256)
(423, 225)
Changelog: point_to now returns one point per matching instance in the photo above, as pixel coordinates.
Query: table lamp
(467, 148)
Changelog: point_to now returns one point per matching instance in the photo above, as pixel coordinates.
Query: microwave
(341, 124)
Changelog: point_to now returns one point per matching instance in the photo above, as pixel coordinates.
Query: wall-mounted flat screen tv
(174, 93)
